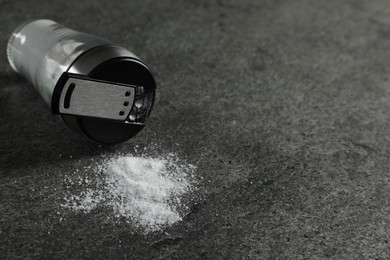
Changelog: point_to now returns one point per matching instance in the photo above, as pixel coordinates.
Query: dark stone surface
(284, 106)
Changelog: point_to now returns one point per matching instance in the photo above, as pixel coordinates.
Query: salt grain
(144, 191)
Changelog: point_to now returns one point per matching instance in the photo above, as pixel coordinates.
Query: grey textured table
(284, 107)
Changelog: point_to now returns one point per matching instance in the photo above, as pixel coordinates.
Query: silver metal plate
(83, 97)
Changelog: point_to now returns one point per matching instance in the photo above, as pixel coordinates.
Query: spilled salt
(144, 191)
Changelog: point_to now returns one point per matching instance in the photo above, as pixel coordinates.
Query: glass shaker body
(42, 50)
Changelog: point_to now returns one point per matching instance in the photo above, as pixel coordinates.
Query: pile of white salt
(144, 191)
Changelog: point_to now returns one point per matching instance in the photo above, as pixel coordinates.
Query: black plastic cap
(119, 70)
